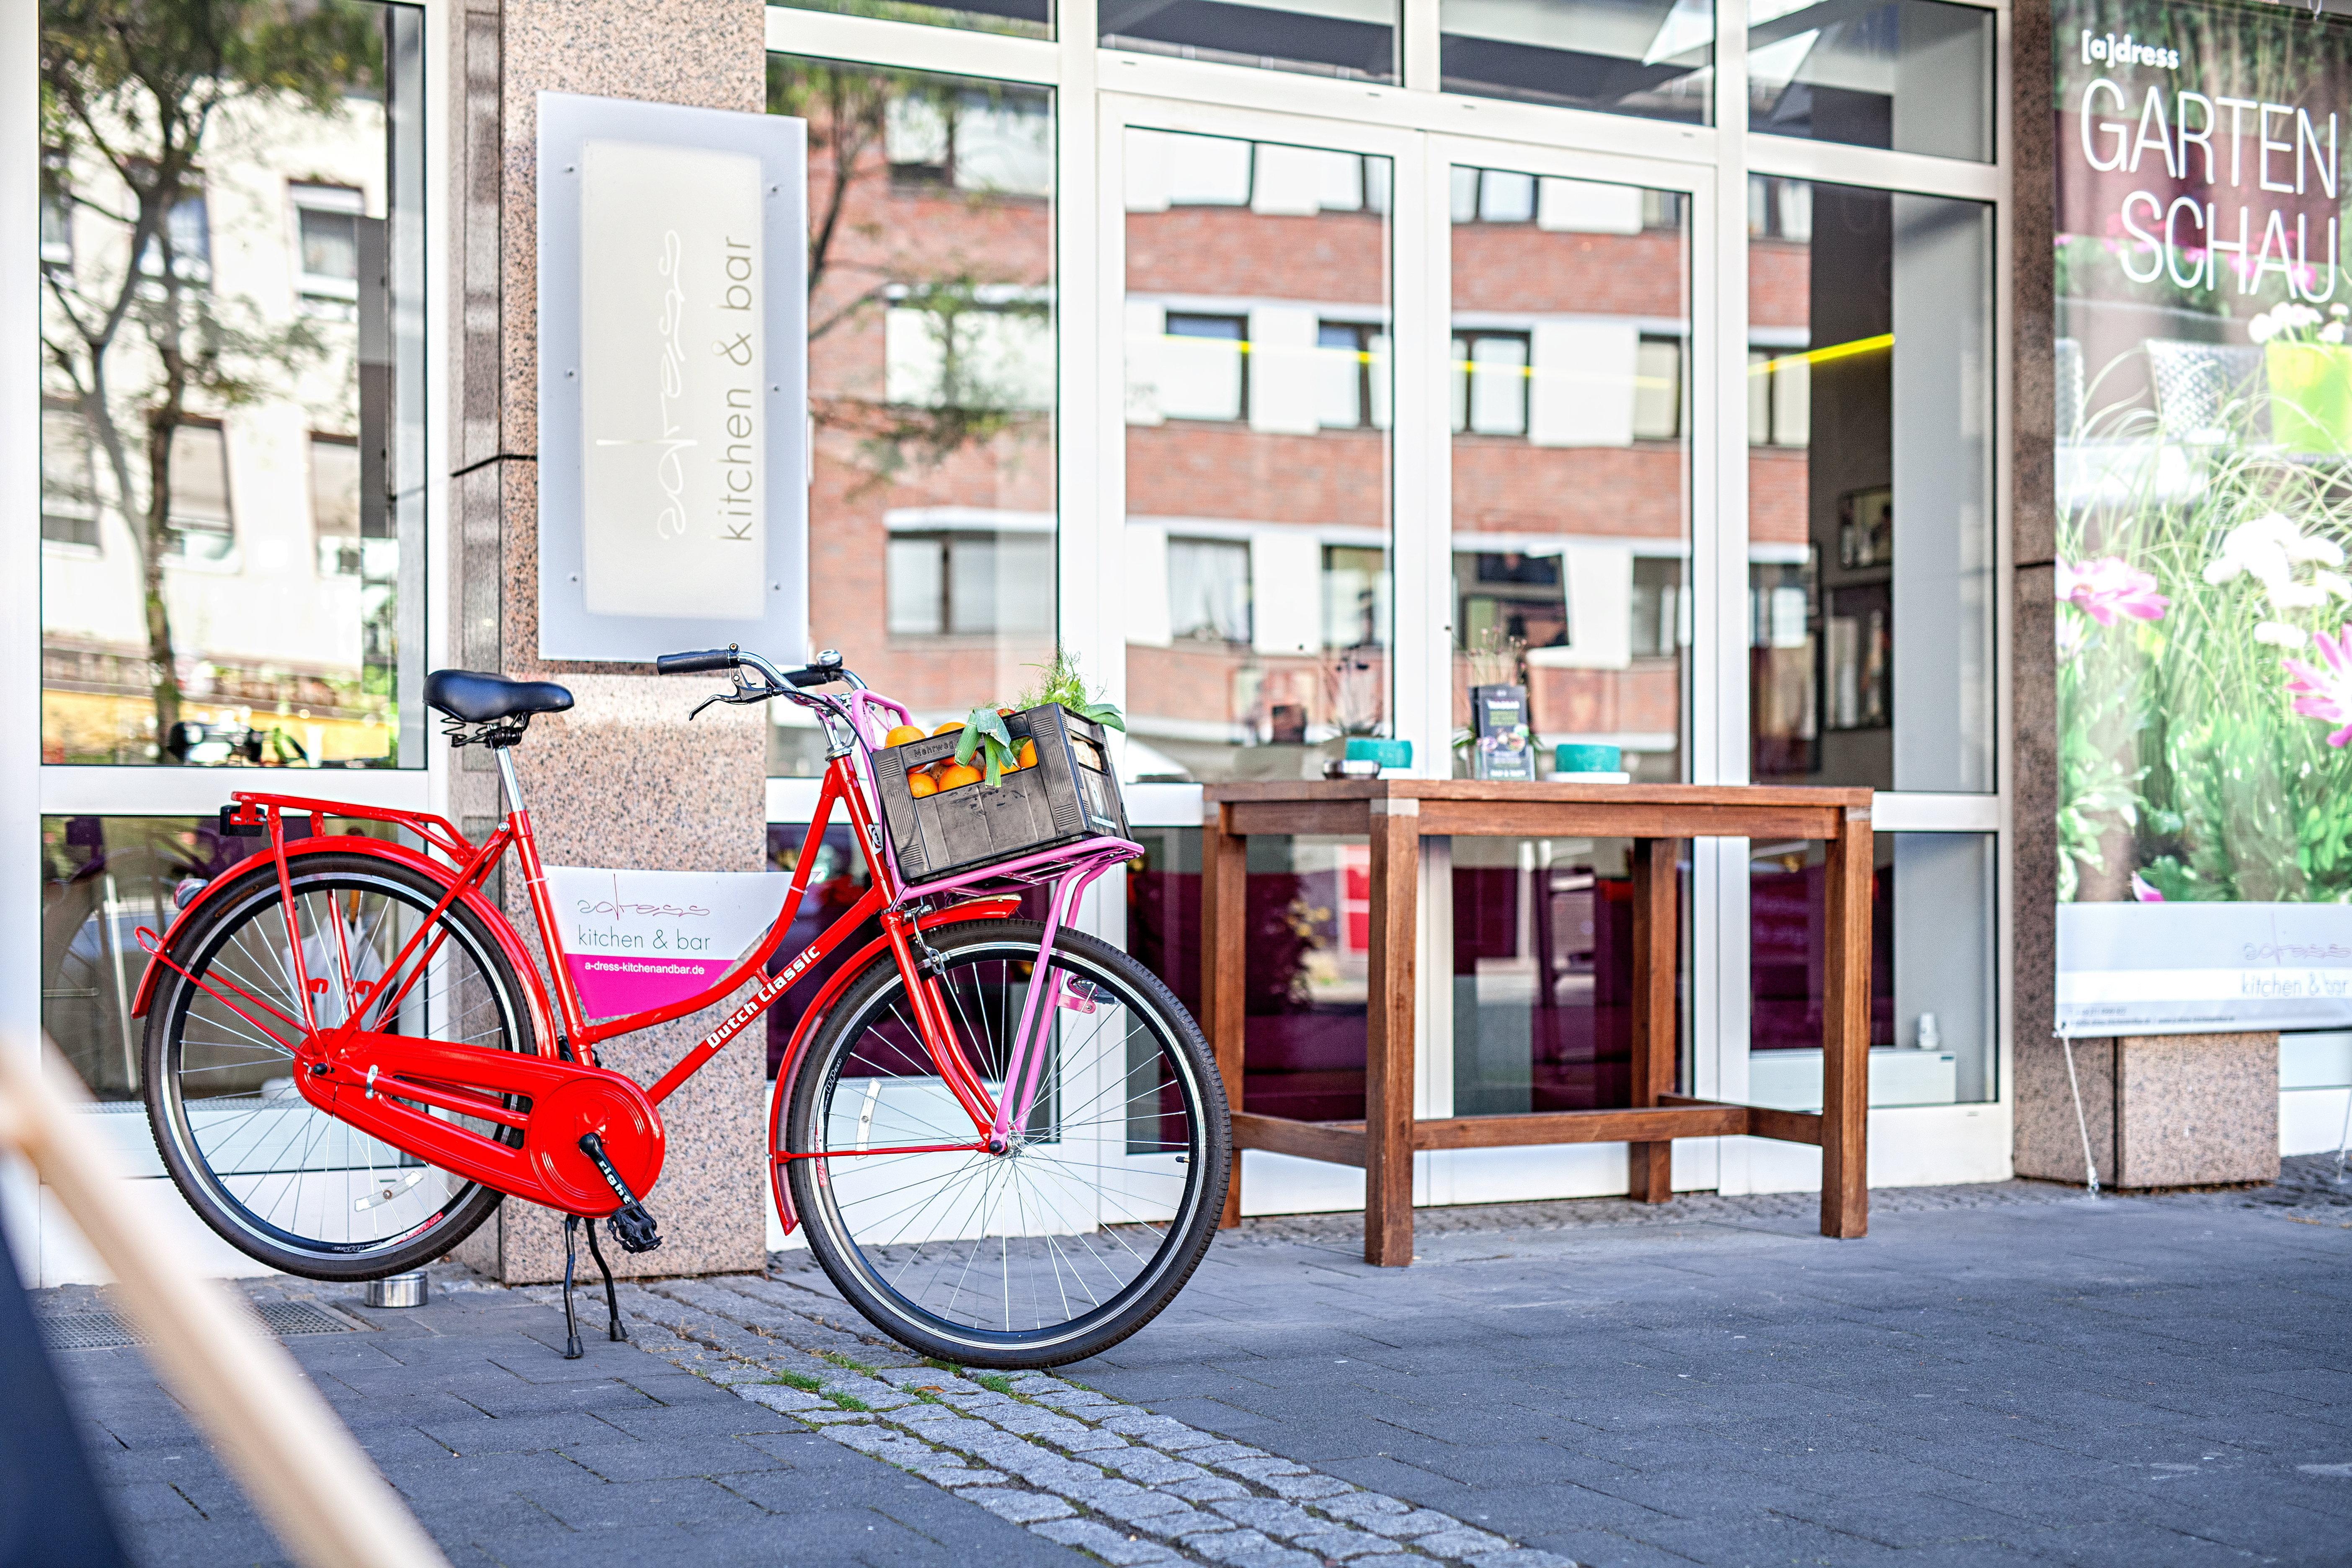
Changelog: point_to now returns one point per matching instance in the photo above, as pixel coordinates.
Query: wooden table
(1396, 815)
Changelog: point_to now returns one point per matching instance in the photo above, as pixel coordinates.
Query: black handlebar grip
(698, 663)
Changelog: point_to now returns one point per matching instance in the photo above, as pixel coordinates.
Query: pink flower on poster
(2325, 694)
(2109, 588)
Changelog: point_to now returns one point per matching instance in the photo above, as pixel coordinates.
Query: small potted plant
(2310, 374)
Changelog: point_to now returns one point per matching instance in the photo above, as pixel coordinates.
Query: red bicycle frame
(375, 1080)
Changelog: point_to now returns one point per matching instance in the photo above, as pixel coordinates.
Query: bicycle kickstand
(618, 1328)
(572, 1349)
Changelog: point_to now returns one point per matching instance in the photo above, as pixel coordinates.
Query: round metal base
(397, 1290)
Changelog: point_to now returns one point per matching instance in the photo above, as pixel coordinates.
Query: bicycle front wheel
(1075, 1236)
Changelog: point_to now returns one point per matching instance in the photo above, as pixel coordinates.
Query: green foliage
(985, 735)
(799, 1380)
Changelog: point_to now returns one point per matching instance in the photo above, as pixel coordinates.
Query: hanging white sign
(637, 940)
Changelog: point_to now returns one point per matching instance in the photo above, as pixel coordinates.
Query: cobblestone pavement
(2000, 1374)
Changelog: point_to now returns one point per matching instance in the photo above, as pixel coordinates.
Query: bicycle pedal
(634, 1229)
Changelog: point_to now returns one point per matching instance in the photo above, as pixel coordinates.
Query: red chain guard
(567, 1100)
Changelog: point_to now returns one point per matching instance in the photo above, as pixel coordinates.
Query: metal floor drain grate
(106, 1330)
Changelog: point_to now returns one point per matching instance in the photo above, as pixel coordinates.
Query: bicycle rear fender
(534, 989)
(780, 1104)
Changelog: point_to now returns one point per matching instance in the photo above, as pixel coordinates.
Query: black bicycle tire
(175, 993)
(1001, 1352)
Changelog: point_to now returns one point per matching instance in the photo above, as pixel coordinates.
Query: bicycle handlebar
(698, 663)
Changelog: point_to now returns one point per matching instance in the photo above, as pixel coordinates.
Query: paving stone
(1408, 1526)
(1365, 1506)
(781, 1396)
(832, 1417)
(1206, 1489)
(1148, 1466)
(1020, 1507)
(1040, 1467)
(871, 1391)
(1111, 1545)
(1460, 1541)
(1247, 1549)
(1343, 1545)
(1305, 1487)
(1275, 1518)
(944, 1474)
(1520, 1557)
(893, 1447)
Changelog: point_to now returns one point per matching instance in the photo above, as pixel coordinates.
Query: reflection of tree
(977, 396)
(141, 84)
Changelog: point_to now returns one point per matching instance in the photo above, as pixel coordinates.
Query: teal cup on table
(1573, 757)
(1373, 749)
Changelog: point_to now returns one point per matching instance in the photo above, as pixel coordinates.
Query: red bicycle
(1007, 1140)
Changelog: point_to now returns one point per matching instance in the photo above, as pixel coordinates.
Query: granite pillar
(622, 778)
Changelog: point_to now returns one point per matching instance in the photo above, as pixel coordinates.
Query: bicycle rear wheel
(284, 1183)
(1078, 1234)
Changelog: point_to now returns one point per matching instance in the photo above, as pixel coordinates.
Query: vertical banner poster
(2204, 491)
(636, 940)
(672, 377)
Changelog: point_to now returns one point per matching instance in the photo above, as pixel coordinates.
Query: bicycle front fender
(518, 957)
(780, 1103)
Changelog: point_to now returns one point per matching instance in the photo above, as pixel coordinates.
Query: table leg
(1389, 1032)
(1845, 1031)
(1651, 1166)
(1225, 950)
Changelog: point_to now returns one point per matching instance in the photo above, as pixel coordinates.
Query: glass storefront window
(1355, 39)
(233, 283)
(103, 878)
(1257, 455)
(1571, 463)
(1019, 18)
(1870, 489)
(1914, 75)
(932, 539)
(1309, 912)
(1651, 57)
(1933, 963)
(1541, 931)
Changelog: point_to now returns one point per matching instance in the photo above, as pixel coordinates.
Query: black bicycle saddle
(474, 697)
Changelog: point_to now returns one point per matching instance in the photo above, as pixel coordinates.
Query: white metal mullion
(914, 46)
(1418, 48)
(1721, 948)
(1835, 163)
(2004, 566)
(20, 592)
(1104, 481)
(1421, 591)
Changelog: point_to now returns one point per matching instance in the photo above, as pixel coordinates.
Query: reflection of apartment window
(1355, 597)
(190, 231)
(985, 348)
(1351, 375)
(1493, 195)
(68, 480)
(1779, 209)
(1661, 209)
(200, 524)
(1661, 611)
(1658, 389)
(997, 141)
(1780, 397)
(976, 583)
(327, 241)
(57, 213)
(1209, 590)
(335, 503)
(1490, 384)
(1203, 369)
(1506, 595)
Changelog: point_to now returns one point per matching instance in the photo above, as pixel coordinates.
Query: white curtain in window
(1147, 609)
(1208, 588)
(1285, 567)
(1583, 383)
(1499, 386)
(1285, 364)
(1584, 206)
(1200, 377)
(1004, 145)
(916, 586)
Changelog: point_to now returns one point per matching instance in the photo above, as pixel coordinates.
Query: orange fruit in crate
(1028, 754)
(957, 775)
(903, 733)
(950, 727)
(919, 783)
